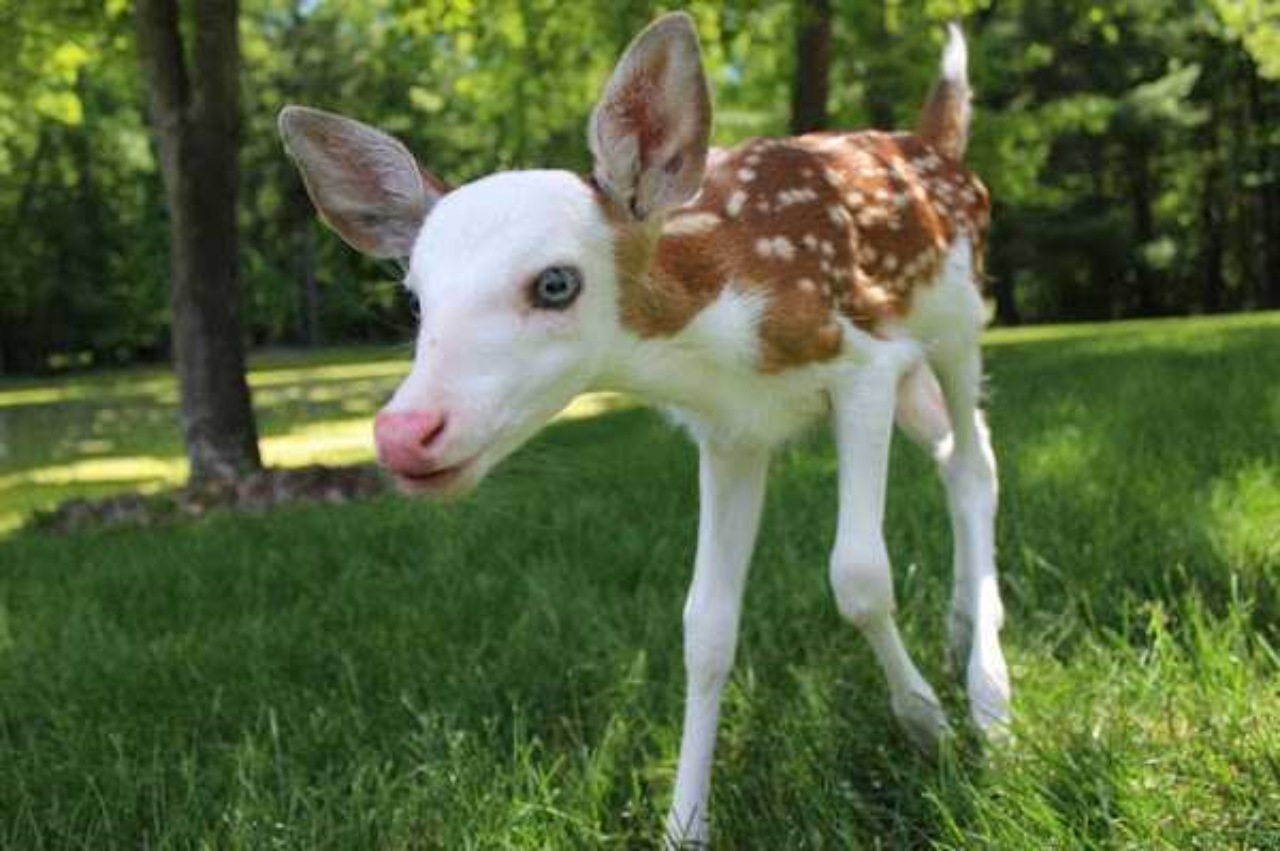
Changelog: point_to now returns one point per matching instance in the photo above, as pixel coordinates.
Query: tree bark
(878, 99)
(810, 84)
(1006, 302)
(195, 117)
(1268, 165)
(1213, 282)
(1137, 156)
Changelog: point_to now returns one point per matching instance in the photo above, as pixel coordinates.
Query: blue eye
(556, 288)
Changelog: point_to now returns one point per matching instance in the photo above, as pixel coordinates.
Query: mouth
(447, 481)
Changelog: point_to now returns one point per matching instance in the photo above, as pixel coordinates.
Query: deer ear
(649, 132)
(365, 184)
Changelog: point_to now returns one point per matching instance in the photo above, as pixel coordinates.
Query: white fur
(955, 56)
(691, 224)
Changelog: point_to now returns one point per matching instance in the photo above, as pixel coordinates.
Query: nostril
(432, 429)
(405, 439)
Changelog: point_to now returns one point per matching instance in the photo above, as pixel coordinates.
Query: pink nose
(405, 438)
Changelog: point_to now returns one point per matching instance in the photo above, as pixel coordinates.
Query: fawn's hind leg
(863, 406)
(968, 472)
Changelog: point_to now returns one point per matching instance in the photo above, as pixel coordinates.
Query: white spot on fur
(778, 246)
(735, 204)
(869, 216)
(746, 175)
(798, 195)
(690, 224)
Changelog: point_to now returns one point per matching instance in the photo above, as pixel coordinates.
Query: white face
(494, 356)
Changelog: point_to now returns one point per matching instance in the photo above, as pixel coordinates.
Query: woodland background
(1133, 146)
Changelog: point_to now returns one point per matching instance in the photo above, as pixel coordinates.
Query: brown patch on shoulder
(654, 300)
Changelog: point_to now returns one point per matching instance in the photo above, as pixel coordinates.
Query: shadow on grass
(1158, 473)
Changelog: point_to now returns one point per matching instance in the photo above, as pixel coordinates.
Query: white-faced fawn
(751, 291)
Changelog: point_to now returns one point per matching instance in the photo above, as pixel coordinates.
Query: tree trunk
(1006, 303)
(1268, 165)
(813, 63)
(1213, 283)
(1143, 225)
(879, 100)
(195, 116)
(310, 318)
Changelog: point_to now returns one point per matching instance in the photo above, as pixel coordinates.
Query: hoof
(685, 834)
(923, 719)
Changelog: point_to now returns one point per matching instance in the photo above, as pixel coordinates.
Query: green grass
(505, 673)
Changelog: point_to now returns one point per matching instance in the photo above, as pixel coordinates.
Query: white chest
(707, 378)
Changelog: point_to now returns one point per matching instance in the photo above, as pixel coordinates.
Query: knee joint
(710, 636)
(862, 583)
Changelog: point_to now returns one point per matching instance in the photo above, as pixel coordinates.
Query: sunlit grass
(1177, 332)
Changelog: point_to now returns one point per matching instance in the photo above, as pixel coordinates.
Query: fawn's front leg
(731, 483)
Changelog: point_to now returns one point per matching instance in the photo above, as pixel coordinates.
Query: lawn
(505, 672)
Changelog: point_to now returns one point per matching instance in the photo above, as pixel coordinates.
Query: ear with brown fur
(365, 184)
(650, 130)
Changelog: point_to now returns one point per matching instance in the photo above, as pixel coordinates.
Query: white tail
(944, 121)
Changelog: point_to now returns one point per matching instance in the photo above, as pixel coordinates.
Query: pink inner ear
(651, 127)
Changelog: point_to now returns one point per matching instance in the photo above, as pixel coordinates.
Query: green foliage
(1132, 147)
(505, 673)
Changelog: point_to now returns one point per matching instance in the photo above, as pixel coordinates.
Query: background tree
(813, 66)
(195, 115)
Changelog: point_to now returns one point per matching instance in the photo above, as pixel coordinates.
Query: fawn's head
(516, 274)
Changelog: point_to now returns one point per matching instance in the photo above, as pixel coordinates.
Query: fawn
(750, 291)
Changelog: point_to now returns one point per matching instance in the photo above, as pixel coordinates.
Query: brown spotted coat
(827, 224)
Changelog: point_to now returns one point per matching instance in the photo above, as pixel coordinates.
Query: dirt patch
(256, 493)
